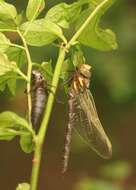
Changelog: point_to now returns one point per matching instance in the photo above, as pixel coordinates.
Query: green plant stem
(17, 46)
(29, 71)
(85, 24)
(44, 124)
(22, 74)
(54, 85)
(36, 165)
(8, 30)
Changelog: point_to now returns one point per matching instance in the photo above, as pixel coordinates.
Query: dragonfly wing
(89, 126)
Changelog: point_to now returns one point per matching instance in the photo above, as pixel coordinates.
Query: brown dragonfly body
(83, 116)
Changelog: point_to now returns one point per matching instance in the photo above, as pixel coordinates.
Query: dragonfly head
(37, 78)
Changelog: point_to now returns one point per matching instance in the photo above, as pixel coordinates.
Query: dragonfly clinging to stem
(83, 116)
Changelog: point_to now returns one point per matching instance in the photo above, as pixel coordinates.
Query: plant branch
(22, 74)
(44, 124)
(17, 46)
(8, 30)
(29, 71)
(85, 24)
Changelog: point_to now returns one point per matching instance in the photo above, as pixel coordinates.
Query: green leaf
(12, 125)
(4, 42)
(47, 70)
(8, 79)
(12, 85)
(77, 56)
(19, 18)
(64, 14)
(12, 120)
(9, 73)
(34, 8)
(72, 62)
(6, 65)
(94, 36)
(8, 25)
(2, 86)
(27, 143)
(7, 134)
(17, 55)
(42, 32)
(7, 11)
(66, 68)
(23, 186)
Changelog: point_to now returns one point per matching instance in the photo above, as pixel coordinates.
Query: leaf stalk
(29, 71)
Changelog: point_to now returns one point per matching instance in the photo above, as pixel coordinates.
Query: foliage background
(114, 90)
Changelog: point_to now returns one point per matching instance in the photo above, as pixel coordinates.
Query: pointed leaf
(27, 143)
(7, 11)
(64, 14)
(94, 36)
(4, 42)
(9, 73)
(34, 8)
(7, 134)
(8, 79)
(6, 65)
(19, 18)
(66, 67)
(12, 125)
(7, 25)
(42, 32)
(12, 120)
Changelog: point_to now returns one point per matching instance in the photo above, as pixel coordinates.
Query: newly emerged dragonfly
(39, 92)
(83, 116)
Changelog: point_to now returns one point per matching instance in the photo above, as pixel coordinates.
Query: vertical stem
(44, 124)
(29, 71)
(52, 94)
(36, 166)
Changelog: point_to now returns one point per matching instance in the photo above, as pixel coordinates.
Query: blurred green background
(114, 90)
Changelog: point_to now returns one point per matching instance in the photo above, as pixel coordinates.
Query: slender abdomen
(68, 136)
(39, 98)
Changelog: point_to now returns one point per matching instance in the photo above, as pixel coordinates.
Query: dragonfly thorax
(81, 78)
(84, 70)
(37, 78)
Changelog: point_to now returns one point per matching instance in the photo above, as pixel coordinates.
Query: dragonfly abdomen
(71, 123)
(39, 92)
(38, 103)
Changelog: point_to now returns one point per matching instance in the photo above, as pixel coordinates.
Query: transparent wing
(89, 126)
